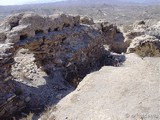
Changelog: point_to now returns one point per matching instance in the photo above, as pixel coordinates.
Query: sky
(21, 2)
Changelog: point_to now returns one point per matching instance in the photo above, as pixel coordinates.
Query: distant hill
(86, 2)
(89, 2)
(116, 8)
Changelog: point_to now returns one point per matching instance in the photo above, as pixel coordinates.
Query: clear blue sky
(20, 2)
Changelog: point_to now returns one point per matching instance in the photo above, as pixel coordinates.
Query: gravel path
(128, 92)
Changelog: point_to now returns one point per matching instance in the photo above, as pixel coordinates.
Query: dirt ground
(127, 92)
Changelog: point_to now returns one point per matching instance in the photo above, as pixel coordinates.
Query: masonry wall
(58, 42)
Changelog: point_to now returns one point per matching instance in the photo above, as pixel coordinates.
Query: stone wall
(58, 42)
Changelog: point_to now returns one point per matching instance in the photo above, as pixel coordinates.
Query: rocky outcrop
(58, 43)
(145, 46)
(144, 40)
(37, 51)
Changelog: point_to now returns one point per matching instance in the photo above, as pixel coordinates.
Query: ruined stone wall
(58, 42)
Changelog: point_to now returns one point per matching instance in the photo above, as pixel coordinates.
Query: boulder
(145, 45)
